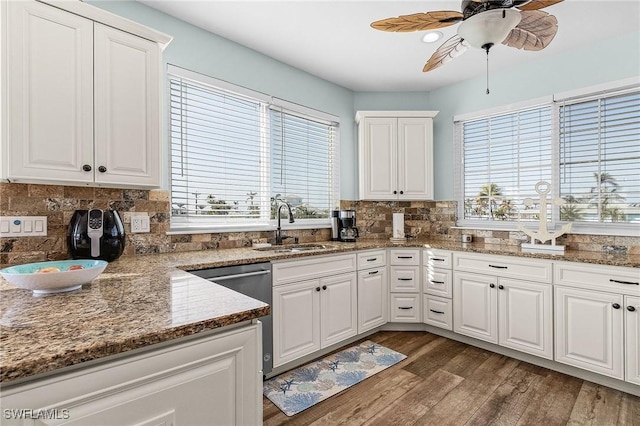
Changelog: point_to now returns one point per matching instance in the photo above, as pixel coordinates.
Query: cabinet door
(632, 334)
(127, 109)
(50, 96)
(378, 158)
(525, 319)
(373, 296)
(296, 321)
(415, 159)
(589, 330)
(338, 308)
(475, 306)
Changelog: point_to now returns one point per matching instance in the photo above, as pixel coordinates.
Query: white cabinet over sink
(83, 97)
(396, 154)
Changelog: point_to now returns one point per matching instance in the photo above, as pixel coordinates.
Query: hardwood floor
(444, 382)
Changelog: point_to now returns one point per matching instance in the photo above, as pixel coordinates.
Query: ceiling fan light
(489, 27)
(432, 36)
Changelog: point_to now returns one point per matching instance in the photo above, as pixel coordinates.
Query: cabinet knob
(501, 287)
(401, 192)
(395, 192)
(631, 308)
(324, 287)
(317, 288)
(102, 169)
(616, 306)
(492, 285)
(86, 168)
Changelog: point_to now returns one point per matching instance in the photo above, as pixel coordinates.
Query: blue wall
(201, 51)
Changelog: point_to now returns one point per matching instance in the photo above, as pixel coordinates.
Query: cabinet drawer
(434, 258)
(312, 267)
(504, 266)
(405, 308)
(438, 312)
(437, 282)
(607, 278)
(405, 257)
(405, 279)
(372, 259)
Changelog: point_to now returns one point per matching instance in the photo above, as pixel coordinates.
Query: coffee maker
(347, 230)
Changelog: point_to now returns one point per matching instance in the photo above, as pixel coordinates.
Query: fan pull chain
(487, 71)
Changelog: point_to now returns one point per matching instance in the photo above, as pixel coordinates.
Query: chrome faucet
(279, 236)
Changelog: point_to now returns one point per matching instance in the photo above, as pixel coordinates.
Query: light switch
(23, 226)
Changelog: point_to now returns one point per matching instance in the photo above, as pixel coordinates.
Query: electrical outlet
(140, 223)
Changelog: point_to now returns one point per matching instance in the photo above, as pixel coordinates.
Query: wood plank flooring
(444, 382)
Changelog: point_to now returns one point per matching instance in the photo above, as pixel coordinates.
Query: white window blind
(600, 158)
(504, 156)
(302, 161)
(234, 156)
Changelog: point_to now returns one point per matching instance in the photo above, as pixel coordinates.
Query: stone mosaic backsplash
(423, 219)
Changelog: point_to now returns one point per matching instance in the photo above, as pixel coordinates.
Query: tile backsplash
(423, 219)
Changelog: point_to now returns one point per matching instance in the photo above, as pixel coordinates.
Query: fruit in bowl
(53, 277)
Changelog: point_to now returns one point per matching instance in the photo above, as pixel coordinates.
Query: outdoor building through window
(586, 147)
(236, 154)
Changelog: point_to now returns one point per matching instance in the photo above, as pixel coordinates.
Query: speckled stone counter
(142, 300)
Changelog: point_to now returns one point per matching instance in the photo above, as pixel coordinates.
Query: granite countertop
(145, 299)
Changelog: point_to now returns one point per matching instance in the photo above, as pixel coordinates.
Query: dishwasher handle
(231, 277)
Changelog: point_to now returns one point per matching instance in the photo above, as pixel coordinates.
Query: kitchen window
(236, 154)
(586, 146)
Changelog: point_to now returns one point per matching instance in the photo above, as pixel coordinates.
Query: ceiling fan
(483, 23)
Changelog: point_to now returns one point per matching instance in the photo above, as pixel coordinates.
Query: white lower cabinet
(212, 380)
(312, 315)
(405, 299)
(632, 337)
(373, 298)
(512, 313)
(589, 330)
(405, 307)
(438, 311)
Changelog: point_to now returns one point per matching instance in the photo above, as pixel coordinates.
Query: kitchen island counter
(142, 300)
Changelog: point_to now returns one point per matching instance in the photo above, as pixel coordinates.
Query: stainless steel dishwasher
(253, 280)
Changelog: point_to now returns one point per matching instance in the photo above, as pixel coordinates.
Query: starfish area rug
(301, 388)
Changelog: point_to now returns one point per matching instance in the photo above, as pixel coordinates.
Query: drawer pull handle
(372, 260)
(616, 306)
(631, 308)
(373, 272)
(405, 308)
(405, 257)
(436, 312)
(437, 282)
(437, 258)
(623, 282)
(498, 266)
(405, 279)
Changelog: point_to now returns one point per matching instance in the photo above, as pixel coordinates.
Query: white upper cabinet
(50, 93)
(83, 98)
(396, 154)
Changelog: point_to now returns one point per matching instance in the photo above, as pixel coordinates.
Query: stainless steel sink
(295, 248)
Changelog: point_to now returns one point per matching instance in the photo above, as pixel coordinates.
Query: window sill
(179, 229)
(626, 230)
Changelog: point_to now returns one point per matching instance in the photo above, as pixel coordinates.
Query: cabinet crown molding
(395, 114)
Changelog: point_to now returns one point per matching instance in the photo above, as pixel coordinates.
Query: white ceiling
(334, 41)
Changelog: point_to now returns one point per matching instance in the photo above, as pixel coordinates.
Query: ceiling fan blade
(538, 4)
(450, 49)
(419, 21)
(534, 32)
